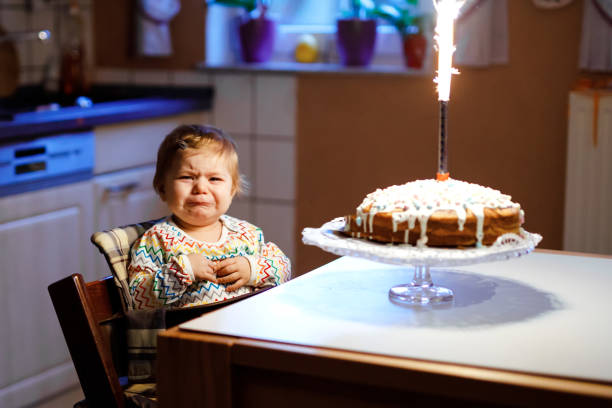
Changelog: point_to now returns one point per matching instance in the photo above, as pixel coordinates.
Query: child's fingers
(237, 285)
(226, 268)
(210, 276)
(224, 263)
(228, 278)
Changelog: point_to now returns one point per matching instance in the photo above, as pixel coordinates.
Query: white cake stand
(421, 291)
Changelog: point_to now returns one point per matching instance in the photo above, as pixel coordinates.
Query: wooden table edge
(572, 253)
(257, 353)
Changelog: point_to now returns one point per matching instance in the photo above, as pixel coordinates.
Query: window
(316, 17)
(306, 12)
(325, 12)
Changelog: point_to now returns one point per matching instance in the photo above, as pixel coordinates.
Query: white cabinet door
(588, 185)
(44, 237)
(125, 197)
(124, 145)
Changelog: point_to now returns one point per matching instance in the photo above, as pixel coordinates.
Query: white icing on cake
(418, 200)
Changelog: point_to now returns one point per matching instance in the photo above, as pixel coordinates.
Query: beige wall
(507, 129)
(354, 133)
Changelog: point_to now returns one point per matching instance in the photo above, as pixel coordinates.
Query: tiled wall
(258, 110)
(36, 56)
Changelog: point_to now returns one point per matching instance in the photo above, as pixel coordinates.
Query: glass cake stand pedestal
(422, 290)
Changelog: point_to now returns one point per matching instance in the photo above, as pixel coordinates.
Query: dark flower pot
(257, 39)
(415, 48)
(356, 39)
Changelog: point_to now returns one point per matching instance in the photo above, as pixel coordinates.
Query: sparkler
(447, 11)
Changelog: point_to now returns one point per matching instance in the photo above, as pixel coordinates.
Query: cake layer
(435, 213)
(442, 228)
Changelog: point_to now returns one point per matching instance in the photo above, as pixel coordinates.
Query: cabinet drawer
(125, 197)
(135, 143)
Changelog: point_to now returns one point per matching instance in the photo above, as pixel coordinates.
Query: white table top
(543, 313)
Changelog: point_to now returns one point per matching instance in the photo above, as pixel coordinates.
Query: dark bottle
(73, 81)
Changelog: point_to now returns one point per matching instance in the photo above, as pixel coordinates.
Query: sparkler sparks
(447, 11)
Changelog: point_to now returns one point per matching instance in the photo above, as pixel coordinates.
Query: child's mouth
(201, 204)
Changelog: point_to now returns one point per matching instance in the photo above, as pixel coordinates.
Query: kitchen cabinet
(125, 197)
(44, 236)
(588, 183)
(126, 145)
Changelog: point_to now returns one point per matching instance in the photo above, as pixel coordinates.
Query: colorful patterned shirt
(160, 273)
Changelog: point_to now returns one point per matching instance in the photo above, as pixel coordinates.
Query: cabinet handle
(120, 188)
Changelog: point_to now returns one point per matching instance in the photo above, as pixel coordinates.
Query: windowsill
(289, 67)
(387, 60)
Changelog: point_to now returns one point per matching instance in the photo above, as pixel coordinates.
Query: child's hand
(203, 268)
(235, 270)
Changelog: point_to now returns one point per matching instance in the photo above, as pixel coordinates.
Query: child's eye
(216, 179)
(184, 177)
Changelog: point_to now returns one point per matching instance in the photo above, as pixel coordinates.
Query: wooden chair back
(94, 325)
(90, 315)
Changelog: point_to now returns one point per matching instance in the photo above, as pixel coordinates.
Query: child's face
(198, 187)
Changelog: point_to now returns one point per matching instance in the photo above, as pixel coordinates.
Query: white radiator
(588, 182)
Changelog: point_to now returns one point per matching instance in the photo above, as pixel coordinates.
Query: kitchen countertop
(149, 103)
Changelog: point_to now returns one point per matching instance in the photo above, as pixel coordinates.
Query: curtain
(596, 41)
(481, 33)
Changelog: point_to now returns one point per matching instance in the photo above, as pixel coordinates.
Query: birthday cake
(448, 213)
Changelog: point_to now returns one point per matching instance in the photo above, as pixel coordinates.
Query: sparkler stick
(443, 172)
(447, 11)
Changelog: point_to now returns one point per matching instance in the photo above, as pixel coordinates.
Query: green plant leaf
(248, 5)
(390, 10)
(391, 15)
(402, 15)
(359, 9)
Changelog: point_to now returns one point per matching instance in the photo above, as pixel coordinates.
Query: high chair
(94, 320)
(91, 316)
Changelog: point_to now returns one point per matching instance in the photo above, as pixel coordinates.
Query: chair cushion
(136, 396)
(141, 395)
(115, 245)
(142, 329)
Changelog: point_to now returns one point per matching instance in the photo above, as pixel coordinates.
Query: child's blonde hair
(195, 137)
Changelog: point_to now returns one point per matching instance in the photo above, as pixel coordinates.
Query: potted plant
(412, 27)
(356, 34)
(256, 31)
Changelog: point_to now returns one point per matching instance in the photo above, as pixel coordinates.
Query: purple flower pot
(257, 39)
(356, 39)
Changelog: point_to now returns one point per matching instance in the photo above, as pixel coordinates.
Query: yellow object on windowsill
(307, 49)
